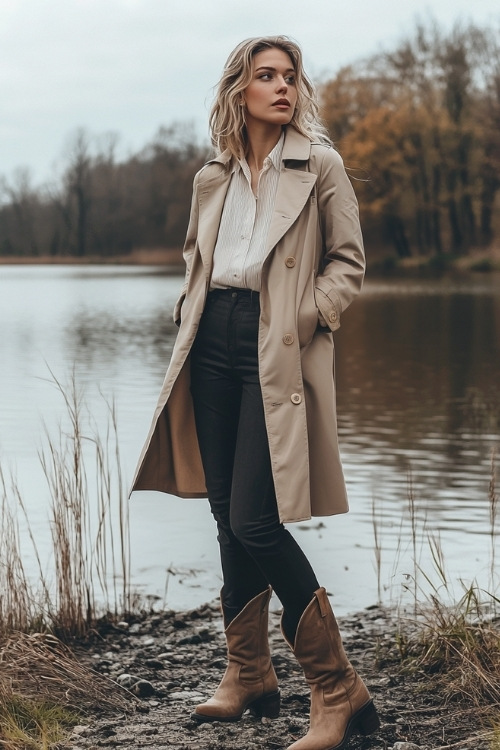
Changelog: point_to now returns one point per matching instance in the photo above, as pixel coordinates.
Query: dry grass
(90, 533)
(25, 725)
(454, 652)
(495, 736)
(42, 669)
(45, 691)
(459, 646)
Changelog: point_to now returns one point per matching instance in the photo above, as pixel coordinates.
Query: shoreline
(476, 261)
(146, 257)
(174, 660)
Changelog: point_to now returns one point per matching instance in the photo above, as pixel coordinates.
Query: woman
(273, 255)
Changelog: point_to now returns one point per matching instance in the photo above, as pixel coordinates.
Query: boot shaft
(247, 635)
(318, 645)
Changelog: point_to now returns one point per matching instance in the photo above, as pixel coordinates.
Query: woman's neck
(260, 143)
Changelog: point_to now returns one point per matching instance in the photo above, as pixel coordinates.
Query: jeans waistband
(235, 293)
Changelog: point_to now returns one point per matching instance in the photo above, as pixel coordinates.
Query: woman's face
(271, 95)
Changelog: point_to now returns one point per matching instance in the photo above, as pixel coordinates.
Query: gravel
(171, 661)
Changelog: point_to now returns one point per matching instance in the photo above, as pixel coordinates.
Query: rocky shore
(171, 661)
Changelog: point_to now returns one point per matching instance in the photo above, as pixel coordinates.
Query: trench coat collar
(294, 188)
(297, 148)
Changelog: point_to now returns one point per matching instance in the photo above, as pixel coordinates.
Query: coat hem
(183, 495)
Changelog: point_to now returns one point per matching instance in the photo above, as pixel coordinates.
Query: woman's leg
(254, 515)
(217, 399)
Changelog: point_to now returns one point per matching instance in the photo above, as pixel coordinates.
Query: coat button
(288, 339)
(332, 317)
(296, 398)
(290, 261)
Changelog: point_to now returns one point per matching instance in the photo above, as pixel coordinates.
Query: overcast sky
(129, 66)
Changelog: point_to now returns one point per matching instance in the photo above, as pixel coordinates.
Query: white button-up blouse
(241, 242)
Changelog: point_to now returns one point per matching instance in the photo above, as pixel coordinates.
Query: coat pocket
(307, 316)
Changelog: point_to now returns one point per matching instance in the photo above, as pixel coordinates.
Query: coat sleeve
(188, 249)
(341, 276)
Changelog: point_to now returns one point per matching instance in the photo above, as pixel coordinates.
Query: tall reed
(89, 525)
(493, 506)
(18, 608)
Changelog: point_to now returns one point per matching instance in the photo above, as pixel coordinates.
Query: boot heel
(367, 720)
(268, 706)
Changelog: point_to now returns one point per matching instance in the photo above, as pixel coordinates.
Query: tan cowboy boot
(340, 702)
(250, 680)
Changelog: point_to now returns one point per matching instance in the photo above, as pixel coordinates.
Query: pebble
(155, 664)
(143, 689)
(127, 680)
(183, 695)
(79, 729)
(384, 682)
(195, 638)
(149, 731)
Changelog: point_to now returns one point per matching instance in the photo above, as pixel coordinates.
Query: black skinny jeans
(255, 548)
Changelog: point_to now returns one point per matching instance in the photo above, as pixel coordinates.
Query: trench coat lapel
(211, 197)
(294, 187)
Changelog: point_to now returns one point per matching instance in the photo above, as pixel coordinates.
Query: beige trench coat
(315, 261)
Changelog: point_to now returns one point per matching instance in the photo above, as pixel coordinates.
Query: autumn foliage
(419, 130)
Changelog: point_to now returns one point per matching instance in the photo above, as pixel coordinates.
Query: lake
(417, 364)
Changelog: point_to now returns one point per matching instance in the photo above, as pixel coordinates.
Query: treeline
(102, 206)
(418, 127)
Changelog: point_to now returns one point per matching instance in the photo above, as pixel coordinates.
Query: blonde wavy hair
(227, 117)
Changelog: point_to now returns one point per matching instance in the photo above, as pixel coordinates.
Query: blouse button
(296, 398)
(288, 339)
(332, 317)
(290, 261)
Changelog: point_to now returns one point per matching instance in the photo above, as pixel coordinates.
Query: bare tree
(77, 181)
(20, 214)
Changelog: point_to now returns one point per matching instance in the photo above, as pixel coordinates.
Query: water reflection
(418, 390)
(149, 339)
